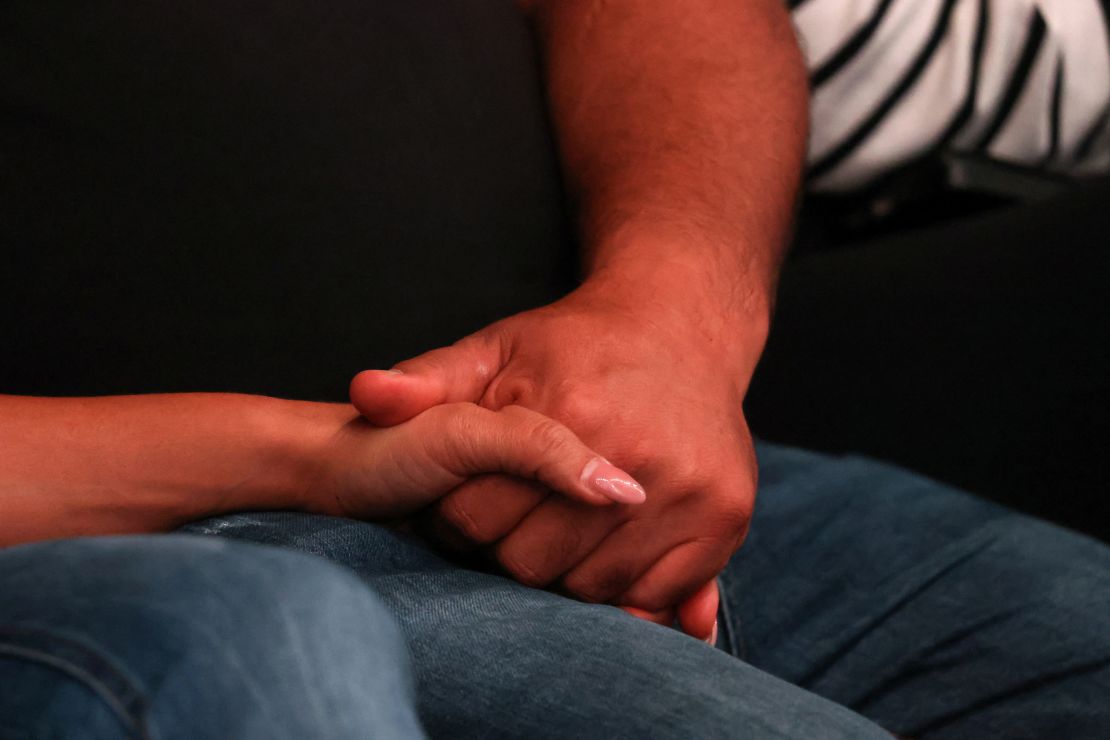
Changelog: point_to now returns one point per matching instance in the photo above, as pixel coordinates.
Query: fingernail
(612, 482)
(396, 372)
(713, 635)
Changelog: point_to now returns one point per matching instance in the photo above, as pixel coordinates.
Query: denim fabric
(189, 637)
(935, 613)
(863, 591)
(495, 659)
(864, 597)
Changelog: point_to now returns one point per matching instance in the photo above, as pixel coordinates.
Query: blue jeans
(179, 636)
(865, 598)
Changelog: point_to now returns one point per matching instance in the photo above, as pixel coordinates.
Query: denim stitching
(733, 639)
(813, 472)
(98, 675)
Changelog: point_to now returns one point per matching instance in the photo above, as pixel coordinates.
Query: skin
(126, 464)
(682, 157)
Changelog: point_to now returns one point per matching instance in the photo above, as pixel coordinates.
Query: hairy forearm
(682, 129)
(80, 466)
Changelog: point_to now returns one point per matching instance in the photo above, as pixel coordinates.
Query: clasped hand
(655, 396)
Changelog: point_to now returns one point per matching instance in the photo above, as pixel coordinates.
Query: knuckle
(548, 437)
(576, 410)
(731, 517)
(538, 561)
(599, 585)
(635, 453)
(521, 568)
(565, 546)
(652, 601)
(652, 597)
(688, 477)
(457, 513)
(729, 479)
(717, 555)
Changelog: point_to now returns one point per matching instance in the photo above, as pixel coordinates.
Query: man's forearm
(682, 131)
(77, 466)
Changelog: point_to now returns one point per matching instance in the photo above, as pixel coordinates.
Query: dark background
(269, 199)
(976, 350)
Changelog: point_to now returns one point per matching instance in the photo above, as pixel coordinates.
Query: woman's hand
(372, 473)
(123, 464)
(656, 388)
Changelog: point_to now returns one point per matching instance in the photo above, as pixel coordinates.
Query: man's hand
(658, 392)
(681, 131)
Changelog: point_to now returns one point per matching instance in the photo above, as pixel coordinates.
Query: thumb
(468, 440)
(460, 372)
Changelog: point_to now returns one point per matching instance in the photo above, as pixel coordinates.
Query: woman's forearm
(82, 466)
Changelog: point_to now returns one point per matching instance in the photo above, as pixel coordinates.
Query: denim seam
(79, 674)
(733, 639)
(57, 640)
(116, 703)
(730, 614)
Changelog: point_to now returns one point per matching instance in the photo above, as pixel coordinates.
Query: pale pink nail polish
(713, 635)
(612, 482)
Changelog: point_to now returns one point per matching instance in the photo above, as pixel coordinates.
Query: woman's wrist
(113, 465)
(211, 454)
(296, 445)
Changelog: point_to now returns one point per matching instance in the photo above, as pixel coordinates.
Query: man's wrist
(710, 288)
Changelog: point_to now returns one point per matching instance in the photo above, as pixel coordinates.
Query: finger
(698, 614)
(485, 508)
(665, 617)
(677, 576)
(469, 440)
(618, 562)
(460, 372)
(555, 537)
(431, 527)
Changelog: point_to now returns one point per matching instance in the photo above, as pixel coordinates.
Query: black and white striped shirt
(1022, 81)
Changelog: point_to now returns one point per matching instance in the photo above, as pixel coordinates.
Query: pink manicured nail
(612, 482)
(713, 635)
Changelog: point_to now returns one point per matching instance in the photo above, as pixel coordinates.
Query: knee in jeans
(188, 596)
(269, 597)
(218, 638)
